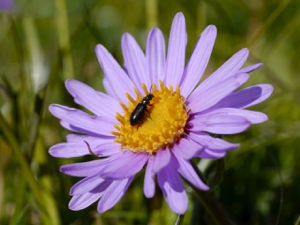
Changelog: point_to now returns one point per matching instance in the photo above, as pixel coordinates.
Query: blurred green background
(45, 42)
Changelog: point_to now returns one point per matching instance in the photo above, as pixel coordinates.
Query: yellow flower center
(162, 124)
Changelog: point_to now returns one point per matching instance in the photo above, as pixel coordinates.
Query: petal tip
(244, 52)
(52, 108)
(212, 28)
(179, 15)
(179, 19)
(70, 85)
(259, 65)
(271, 88)
(52, 151)
(62, 169)
(99, 50)
(69, 82)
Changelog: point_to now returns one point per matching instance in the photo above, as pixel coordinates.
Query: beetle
(138, 114)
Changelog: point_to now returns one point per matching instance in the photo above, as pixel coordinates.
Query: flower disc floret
(162, 125)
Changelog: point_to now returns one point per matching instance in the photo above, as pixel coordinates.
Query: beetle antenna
(151, 88)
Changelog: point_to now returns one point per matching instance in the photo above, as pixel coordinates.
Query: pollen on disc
(162, 125)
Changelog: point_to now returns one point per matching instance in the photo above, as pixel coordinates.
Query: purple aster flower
(155, 117)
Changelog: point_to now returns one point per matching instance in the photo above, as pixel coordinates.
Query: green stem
(201, 21)
(269, 22)
(151, 13)
(179, 220)
(41, 197)
(213, 207)
(19, 206)
(211, 204)
(298, 221)
(63, 38)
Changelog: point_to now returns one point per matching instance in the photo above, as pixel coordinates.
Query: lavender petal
(83, 169)
(118, 81)
(156, 55)
(187, 148)
(252, 116)
(209, 154)
(135, 62)
(124, 164)
(200, 101)
(149, 183)
(161, 159)
(113, 194)
(86, 184)
(176, 51)
(251, 68)
(220, 124)
(188, 172)
(77, 118)
(198, 61)
(79, 202)
(97, 102)
(246, 97)
(171, 185)
(211, 143)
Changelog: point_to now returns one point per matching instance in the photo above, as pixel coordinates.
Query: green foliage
(45, 42)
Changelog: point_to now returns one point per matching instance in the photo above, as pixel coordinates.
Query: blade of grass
(269, 22)
(42, 198)
(63, 38)
(211, 204)
(151, 13)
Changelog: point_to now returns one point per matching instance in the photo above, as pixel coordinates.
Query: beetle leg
(148, 114)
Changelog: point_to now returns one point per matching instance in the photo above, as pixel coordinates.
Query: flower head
(154, 116)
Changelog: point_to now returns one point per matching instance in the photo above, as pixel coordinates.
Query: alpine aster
(175, 126)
